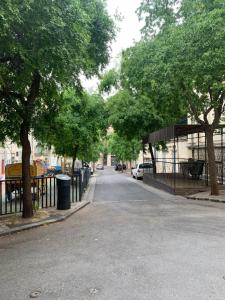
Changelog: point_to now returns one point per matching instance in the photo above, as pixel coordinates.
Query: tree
(80, 121)
(191, 8)
(108, 81)
(92, 152)
(157, 15)
(45, 46)
(124, 150)
(196, 67)
(189, 63)
(138, 109)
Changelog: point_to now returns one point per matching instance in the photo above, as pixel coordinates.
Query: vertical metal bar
(222, 164)
(72, 186)
(35, 192)
(16, 192)
(76, 187)
(20, 194)
(0, 197)
(54, 190)
(174, 163)
(80, 187)
(206, 163)
(10, 207)
(6, 195)
(198, 145)
(50, 179)
(46, 192)
(42, 192)
(38, 192)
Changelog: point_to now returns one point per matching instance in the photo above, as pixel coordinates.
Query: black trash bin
(63, 188)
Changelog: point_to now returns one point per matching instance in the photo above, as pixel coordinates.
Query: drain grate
(35, 294)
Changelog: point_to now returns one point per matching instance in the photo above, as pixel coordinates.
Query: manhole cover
(93, 291)
(35, 294)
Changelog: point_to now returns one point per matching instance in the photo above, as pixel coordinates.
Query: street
(130, 243)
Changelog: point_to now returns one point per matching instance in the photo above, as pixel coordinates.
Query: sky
(129, 26)
(129, 32)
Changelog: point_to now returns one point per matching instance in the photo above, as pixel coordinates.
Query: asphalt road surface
(131, 243)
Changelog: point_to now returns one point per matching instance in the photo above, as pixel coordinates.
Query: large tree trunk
(26, 149)
(211, 161)
(26, 178)
(152, 157)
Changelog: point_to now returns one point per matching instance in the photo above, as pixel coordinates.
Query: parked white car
(141, 169)
(100, 167)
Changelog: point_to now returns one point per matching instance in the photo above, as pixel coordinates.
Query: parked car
(100, 167)
(141, 169)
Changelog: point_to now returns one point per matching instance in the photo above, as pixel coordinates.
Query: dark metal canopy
(174, 131)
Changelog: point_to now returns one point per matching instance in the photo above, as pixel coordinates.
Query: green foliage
(194, 56)
(76, 130)
(181, 69)
(186, 69)
(132, 117)
(157, 15)
(108, 81)
(45, 46)
(123, 149)
(190, 8)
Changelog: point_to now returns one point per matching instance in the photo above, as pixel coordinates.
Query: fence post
(0, 198)
(80, 186)
(72, 180)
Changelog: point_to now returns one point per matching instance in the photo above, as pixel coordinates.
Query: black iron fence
(43, 189)
(183, 174)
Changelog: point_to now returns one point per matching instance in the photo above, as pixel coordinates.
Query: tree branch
(35, 87)
(195, 113)
(218, 111)
(5, 59)
(10, 94)
(15, 60)
(5, 94)
(210, 94)
(205, 114)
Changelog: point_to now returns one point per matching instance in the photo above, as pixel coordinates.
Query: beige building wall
(109, 160)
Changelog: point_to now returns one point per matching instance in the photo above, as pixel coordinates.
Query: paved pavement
(131, 243)
(207, 196)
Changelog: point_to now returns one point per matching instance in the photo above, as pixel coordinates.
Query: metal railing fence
(185, 172)
(43, 190)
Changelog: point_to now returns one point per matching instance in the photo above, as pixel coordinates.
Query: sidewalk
(206, 196)
(14, 223)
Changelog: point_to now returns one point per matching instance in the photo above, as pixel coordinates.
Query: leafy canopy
(123, 149)
(77, 128)
(44, 47)
(159, 15)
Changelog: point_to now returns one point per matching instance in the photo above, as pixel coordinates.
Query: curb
(89, 194)
(44, 222)
(164, 193)
(205, 199)
(87, 199)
